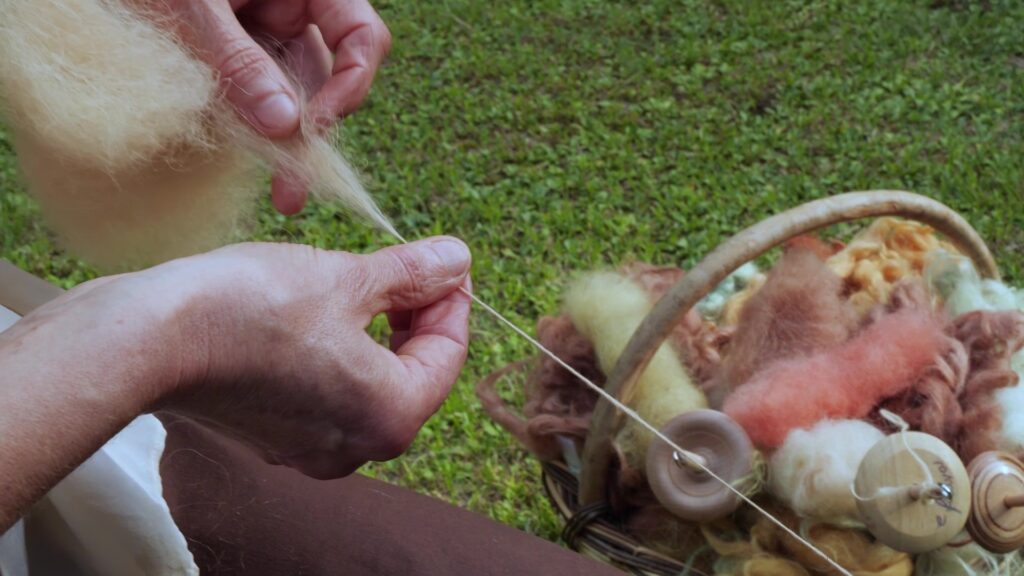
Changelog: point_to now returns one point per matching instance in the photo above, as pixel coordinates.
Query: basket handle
(730, 255)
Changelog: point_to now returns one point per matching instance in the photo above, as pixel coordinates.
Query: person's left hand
(308, 33)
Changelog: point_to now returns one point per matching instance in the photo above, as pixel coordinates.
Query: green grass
(559, 136)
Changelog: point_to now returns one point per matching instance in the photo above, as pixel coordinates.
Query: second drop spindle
(913, 492)
(997, 502)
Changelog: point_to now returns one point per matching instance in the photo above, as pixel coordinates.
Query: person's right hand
(268, 343)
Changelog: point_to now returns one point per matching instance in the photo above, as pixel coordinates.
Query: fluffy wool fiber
(769, 551)
(843, 382)
(881, 255)
(799, 310)
(954, 279)
(967, 560)
(991, 340)
(932, 403)
(734, 306)
(699, 343)
(607, 307)
(557, 403)
(661, 531)
(813, 469)
(124, 137)
(710, 306)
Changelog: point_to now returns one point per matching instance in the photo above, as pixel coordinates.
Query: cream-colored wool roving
(813, 471)
(124, 137)
(607, 308)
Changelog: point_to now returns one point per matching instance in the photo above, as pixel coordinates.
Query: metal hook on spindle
(919, 491)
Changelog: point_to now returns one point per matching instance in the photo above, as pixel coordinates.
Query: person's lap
(243, 516)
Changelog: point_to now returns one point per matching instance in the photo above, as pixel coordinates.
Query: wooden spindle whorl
(684, 489)
(997, 502)
(904, 506)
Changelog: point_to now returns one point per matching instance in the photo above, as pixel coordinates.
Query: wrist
(78, 370)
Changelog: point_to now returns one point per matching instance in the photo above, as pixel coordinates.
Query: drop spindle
(997, 502)
(716, 442)
(913, 492)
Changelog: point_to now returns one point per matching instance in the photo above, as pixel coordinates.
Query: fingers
(357, 36)
(308, 57)
(410, 276)
(400, 323)
(435, 348)
(256, 86)
(287, 193)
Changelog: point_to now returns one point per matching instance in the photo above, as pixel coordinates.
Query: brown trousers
(243, 516)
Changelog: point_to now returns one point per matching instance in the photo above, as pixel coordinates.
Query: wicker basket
(589, 528)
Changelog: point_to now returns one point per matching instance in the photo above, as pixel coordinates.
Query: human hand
(266, 342)
(309, 33)
(274, 349)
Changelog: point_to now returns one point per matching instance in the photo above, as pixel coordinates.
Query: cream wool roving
(607, 308)
(124, 136)
(814, 468)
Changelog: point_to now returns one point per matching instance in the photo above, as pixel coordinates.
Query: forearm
(68, 383)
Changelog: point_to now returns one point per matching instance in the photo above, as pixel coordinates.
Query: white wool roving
(607, 308)
(953, 278)
(813, 471)
(124, 137)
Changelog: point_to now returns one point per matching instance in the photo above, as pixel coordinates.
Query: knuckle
(412, 271)
(240, 61)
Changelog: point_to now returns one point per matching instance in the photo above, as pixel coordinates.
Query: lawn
(557, 136)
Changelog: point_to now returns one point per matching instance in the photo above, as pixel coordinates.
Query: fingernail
(276, 112)
(454, 255)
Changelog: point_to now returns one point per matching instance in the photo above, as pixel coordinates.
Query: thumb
(415, 275)
(256, 86)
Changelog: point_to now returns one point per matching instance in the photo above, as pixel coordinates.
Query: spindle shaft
(1015, 501)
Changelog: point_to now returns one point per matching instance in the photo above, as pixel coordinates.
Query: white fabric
(13, 559)
(108, 515)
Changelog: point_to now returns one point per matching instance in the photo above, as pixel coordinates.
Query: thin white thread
(632, 414)
(884, 491)
(694, 459)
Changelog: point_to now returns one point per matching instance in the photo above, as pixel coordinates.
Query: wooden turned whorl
(997, 515)
(687, 491)
(893, 492)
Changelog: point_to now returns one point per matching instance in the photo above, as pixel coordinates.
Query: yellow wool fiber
(607, 308)
(769, 551)
(877, 258)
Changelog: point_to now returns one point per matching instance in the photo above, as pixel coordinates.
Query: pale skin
(333, 48)
(264, 342)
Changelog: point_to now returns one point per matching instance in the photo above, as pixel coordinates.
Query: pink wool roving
(846, 381)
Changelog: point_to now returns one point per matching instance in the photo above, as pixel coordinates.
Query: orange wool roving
(846, 381)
